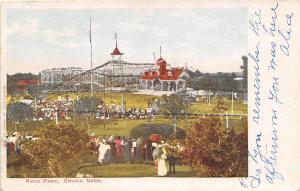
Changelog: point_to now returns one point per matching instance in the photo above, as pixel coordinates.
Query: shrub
(55, 149)
(212, 150)
(165, 130)
(19, 111)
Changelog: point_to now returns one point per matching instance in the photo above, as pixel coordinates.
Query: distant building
(52, 77)
(23, 84)
(162, 78)
(114, 75)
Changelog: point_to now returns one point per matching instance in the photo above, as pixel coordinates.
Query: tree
(173, 105)
(55, 148)
(12, 80)
(166, 130)
(211, 150)
(244, 67)
(215, 82)
(36, 92)
(87, 104)
(19, 112)
(245, 76)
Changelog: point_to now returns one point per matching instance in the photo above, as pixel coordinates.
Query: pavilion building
(163, 78)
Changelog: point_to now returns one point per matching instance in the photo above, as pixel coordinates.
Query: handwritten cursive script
(265, 153)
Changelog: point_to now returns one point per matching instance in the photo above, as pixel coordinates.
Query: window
(169, 73)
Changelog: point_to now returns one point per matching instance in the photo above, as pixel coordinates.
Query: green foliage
(215, 82)
(55, 145)
(36, 92)
(19, 111)
(244, 67)
(12, 80)
(214, 151)
(172, 104)
(87, 104)
(145, 130)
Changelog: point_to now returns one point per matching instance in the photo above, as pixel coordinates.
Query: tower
(117, 67)
(161, 63)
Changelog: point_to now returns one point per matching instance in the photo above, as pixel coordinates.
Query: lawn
(120, 127)
(88, 164)
(133, 170)
(200, 107)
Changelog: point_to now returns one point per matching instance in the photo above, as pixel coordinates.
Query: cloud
(56, 37)
(30, 27)
(203, 22)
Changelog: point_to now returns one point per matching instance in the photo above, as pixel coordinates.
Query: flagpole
(91, 56)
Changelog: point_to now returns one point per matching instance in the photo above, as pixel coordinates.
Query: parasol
(155, 138)
(157, 152)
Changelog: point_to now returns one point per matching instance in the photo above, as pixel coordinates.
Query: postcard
(150, 95)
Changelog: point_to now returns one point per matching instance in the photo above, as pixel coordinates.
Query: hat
(154, 144)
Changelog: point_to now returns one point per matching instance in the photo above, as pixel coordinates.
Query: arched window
(169, 73)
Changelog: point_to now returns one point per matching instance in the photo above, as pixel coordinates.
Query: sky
(207, 39)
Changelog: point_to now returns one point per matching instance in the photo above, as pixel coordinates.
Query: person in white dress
(103, 150)
(162, 167)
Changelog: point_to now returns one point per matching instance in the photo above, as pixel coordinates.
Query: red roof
(116, 52)
(161, 61)
(162, 73)
(172, 74)
(27, 82)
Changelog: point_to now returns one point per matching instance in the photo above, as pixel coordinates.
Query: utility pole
(227, 124)
(104, 105)
(56, 116)
(232, 102)
(209, 96)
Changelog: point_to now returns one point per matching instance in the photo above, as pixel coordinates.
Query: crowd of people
(119, 149)
(63, 108)
(110, 150)
(52, 110)
(125, 149)
(116, 111)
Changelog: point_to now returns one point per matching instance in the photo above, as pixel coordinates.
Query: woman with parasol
(159, 157)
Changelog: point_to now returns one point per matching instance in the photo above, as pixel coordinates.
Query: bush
(55, 150)
(19, 112)
(213, 151)
(165, 130)
(87, 104)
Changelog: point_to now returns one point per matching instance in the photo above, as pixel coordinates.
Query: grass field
(120, 127)
(123, 126)
(15, 169)
(140, 100)
(133, 170)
